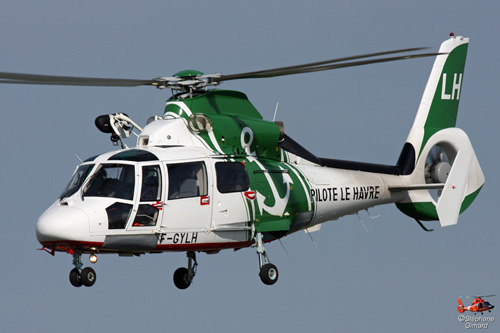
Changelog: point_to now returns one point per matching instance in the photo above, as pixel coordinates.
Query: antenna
(360, 220)
(78, 157)
(312, 239)
(284, 248)
(275, 111)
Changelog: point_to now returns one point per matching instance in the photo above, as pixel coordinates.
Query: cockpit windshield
(77, 180)
(112, 181)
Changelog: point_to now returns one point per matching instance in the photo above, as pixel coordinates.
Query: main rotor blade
(19, 78)
(324, 62)
(476, 296)
(312, 67)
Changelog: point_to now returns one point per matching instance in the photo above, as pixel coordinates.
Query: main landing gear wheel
(184, 276)
(181, 278)
(269, 274)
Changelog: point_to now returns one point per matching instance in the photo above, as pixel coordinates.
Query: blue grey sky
(394, 278)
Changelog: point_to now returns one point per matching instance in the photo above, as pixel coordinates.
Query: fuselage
(478, 305)
(178, 198)
(205, 182)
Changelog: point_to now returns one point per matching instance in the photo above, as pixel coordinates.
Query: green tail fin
(439, 105)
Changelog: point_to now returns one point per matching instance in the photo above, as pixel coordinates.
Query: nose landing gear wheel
(74, 278)
(269, 274)
(85, 278)
(88, 277)
(81, 277)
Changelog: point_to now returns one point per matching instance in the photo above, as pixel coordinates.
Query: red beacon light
(452, 34)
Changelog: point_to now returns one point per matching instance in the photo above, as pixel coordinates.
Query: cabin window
(231, 177)
(151, 183)
(113, 181)
(147, 214)
(187, 180)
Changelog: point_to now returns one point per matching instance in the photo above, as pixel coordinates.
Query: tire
(74, 278)
(181, 278)
(269, 274)
(88, 277)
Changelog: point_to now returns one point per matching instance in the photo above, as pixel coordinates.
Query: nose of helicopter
(62, 223)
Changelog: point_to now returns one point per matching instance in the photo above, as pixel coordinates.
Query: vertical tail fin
(460, 306)
(439, 105)
(433, 137)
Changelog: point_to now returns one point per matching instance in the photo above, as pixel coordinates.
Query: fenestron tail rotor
(437, 169)
(437, 166)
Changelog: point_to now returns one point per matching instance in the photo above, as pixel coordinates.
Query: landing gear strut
(184, 276)
(79, 276)
(268, 272)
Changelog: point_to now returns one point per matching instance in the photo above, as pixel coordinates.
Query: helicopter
(478, 305)
(211, 174)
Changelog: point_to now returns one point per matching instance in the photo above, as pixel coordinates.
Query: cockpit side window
(77, 180)
(231, 177)
(187, 180)
(118, 215)
(113, 181)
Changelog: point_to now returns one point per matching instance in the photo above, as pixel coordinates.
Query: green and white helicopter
(212, 174)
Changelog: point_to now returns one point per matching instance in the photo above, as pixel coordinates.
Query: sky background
(395, 277)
